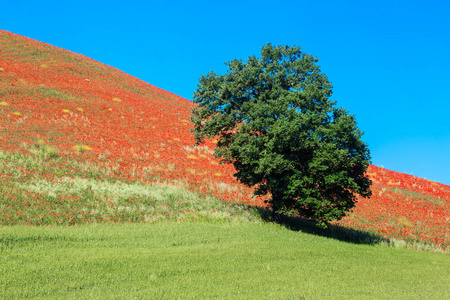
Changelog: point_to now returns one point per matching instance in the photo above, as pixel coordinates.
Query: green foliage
(275, 123)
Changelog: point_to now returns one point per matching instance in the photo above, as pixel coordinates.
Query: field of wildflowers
(76, 135)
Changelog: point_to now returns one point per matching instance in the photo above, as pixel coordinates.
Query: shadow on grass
(337, 232)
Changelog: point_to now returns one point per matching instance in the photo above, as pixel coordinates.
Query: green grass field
(223, 259)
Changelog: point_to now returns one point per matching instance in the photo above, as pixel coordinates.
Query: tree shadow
(296, 223)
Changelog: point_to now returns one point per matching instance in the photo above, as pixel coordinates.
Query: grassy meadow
(194, 260)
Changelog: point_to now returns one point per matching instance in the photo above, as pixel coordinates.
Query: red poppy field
(66, 119)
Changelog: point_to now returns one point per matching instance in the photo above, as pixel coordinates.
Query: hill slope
(71, 103)
(67, 120)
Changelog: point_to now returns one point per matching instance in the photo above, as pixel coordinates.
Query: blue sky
(389, 61)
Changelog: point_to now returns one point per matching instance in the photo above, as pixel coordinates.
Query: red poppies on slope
(99, 115)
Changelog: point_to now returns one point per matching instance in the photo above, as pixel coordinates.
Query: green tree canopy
(276, 124)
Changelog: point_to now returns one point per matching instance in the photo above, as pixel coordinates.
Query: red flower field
(94, 117)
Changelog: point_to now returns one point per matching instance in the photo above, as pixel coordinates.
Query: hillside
(68, 120)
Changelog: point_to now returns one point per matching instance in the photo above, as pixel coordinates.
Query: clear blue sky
(389, 61)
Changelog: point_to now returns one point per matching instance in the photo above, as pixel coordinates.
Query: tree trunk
(276, 217)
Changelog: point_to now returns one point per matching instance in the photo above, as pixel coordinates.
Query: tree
(275, 123)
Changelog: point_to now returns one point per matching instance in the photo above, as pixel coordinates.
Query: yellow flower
(17, 113)
(192, 157)
(2, 69)
(110, 109)
(405, 222)
(80, 109)
(3, 103)
(81, 148)
(115, 99)
(66, 110)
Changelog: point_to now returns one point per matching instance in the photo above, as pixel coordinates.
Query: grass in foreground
(233, 259)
